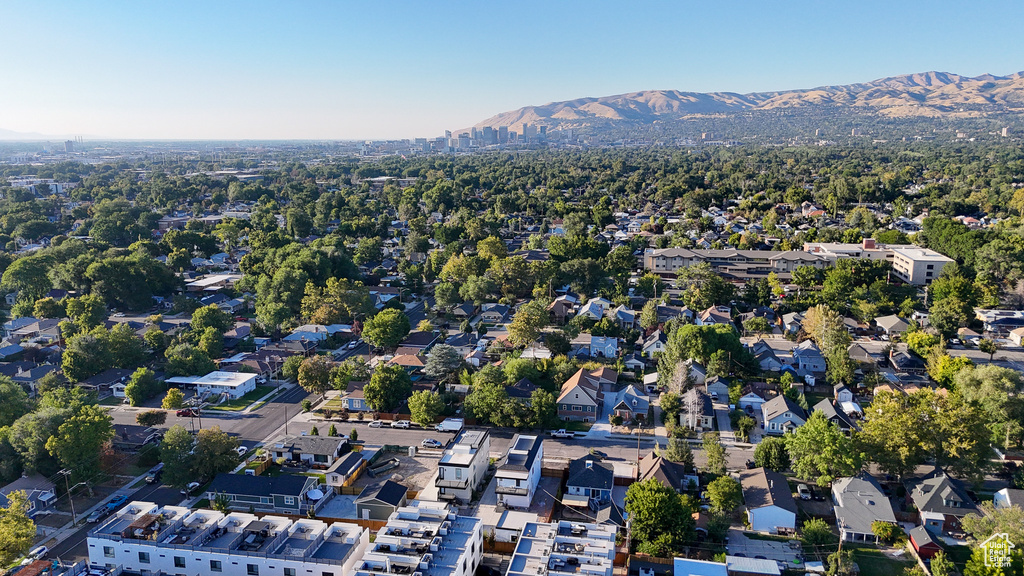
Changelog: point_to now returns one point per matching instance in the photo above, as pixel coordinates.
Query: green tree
(156, 340)
(660, 518)
(17, 530)
(714, 453)
(14, 402)
(290, 368)
(989, 347)
(125, 349)
(386, 329)
(649, 315)
(387, 388)
(151, 418)
(527, 323)
(47, 308)
(176, 454)
(486, 398)
(544, 408)
(141, 386)
(819, 452)
(817, 533)
(771, 453)
(173, 400)
(210, 317)
(678, 450)
(187, 360)
(725, 494)
(85, 355)
(758, 325)
(221, 503)
(87, 311)
(998, 391)
(79, 440)
(887, 532)
(944, 368)
(315, 375)
(443, 363)
(425, 406)
(215, 452)
(211, 343)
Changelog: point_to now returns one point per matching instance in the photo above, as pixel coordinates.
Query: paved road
(75, 547)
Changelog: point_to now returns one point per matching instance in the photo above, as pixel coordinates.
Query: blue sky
(380, 69)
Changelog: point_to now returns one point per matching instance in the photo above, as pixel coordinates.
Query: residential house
(717, 388)
(589, 483)
(1008, 497)
(495, 314)
(668, 312)
(769, 502)
(809, 359)
(715, 315)
(345, 470)
(379, 501)
(697, 411)
(859, 502)
(463, 466)
(561, 308)
(521, 391)
(317, 451)
(631, 404)
(595, 308)
(12, 326)
(653, 344)
(941, 501)
(625, 317)
(892, 325)
(792, 322)
(463, 311)
(581, 398)
(904, 361)
(836, 415)
(634, 361)
(671, 474)
(519, 471)
(354, 400)
(781, 415)
(696, 373)
(285, 494)
(41, 493)
(588, 345)
(420, 340)
(750, 399)
(766, 357)
(861, 355)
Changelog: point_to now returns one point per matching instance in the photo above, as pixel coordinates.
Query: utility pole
(65, 473)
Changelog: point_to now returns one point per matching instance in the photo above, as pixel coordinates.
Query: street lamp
(66, 473)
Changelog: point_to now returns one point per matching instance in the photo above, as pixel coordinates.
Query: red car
(188, 412)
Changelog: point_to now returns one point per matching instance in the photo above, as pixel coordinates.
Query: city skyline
(338, 71)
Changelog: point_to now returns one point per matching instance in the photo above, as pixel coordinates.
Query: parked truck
(563, 433)
(450, 425)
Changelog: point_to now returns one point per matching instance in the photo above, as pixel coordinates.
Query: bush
(307, 405)
(886, 531)
(151, 418)
(817, 532)
(615, 420)
(354, 435)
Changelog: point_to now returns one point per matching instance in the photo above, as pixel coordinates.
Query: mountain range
(924, 95)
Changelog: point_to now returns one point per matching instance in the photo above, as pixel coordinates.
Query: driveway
(602, 428)
(725, 432)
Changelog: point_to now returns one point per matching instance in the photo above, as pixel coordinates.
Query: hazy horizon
(334, 71)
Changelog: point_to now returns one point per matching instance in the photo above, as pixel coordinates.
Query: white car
(803, 491)
(242, 450)
(376, 424)
(39, 552)
(191, 486)
(352, 345)
(401, 424)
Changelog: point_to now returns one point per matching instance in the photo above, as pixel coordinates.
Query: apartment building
(564, 548)
(424, 539)
(735, 265)
(918, 266)
(463, 466)
(519, 471)
(145, 538)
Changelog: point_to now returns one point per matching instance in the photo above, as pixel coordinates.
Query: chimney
(868, 244)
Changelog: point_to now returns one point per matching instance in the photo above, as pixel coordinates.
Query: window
(215, 566)
(108, 551)
(458, 473)
(320, 458)
(328, 573)
(179, 562)
(289, 500)
(289, 572)
(252, 570)
(144, 557)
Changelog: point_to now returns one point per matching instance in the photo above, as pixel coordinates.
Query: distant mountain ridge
(928, 94)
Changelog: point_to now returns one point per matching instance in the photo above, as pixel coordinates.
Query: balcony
(512, 490)
(452, 483)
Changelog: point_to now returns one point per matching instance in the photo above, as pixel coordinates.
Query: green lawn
(574, 426)
(873, 562)
(243, 402)
(959, 554)
(111, 401)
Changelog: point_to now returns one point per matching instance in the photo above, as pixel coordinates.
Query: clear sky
(392, 69)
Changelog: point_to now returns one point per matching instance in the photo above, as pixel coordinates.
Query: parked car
(562, 433)
(431, 443)
(188, 412)
(116, 501)
(155, 473)
(39, 552)
(400, 424)
(803, 491)
(97, 515)
(376, 424)
(191, 486)
(242, 450)
(352, 345)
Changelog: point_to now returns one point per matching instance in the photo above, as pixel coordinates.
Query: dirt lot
(414, 472)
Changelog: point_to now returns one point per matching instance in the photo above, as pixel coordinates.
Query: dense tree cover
(661, 518)
(202, 456)
(17, 530)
